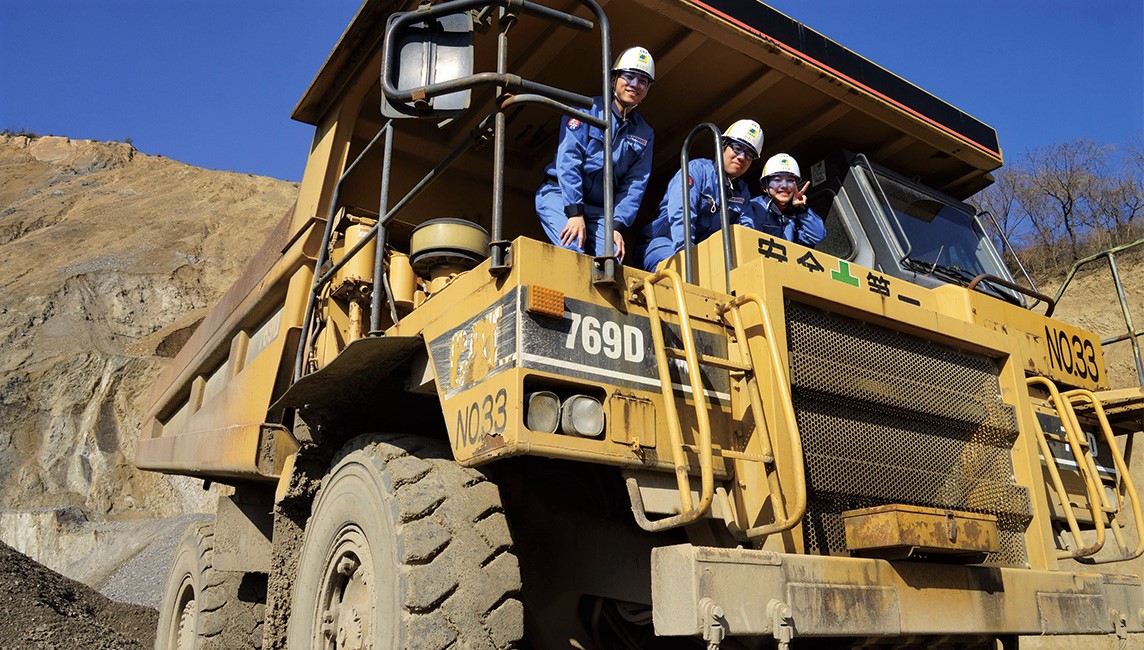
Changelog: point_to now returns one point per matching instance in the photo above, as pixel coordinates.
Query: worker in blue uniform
(782, 210)
(742, 142)
(570, 203)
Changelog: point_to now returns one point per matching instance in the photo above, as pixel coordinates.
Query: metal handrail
(1032, 293)
(323, 254)
(380, 240)
(495, 122)
(783, 520)
(724, 219)
(508, 81)
(690, 512)
(320, 277)
(1129, 487)
(1083, 462)
(1132, 333)
(525, 91)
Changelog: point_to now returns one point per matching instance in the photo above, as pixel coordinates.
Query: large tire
(405, 549)
(202, 608)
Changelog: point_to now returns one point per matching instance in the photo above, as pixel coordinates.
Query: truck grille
(888, 417)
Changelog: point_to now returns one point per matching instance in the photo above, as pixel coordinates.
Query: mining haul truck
(434, 429)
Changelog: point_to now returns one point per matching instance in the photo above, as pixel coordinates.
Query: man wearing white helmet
(570, 203)
(742, 142)
(782, 210)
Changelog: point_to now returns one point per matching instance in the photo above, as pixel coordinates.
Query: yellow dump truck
(438, 430)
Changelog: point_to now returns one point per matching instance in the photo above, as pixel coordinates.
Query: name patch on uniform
(735, 199)
(573, 124)
(638, 140)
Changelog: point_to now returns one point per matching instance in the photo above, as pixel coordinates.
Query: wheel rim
(346, 604)
(186, 617)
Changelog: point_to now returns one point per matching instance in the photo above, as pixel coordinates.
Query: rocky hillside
(108, 258)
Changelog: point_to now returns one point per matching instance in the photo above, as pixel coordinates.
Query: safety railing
(1082, 456)
(1100, 506)
(784, 519)
(1123, 484)
(789, 506)
(724, 219)
(511, 90)
(377, 235)
(1131, 333)
(691, 512)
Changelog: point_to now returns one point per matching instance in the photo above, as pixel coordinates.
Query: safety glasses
(635, 79)
(741, 150)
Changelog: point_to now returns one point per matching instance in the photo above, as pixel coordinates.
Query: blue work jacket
(800, 225)
(579, 164)
(665, 234)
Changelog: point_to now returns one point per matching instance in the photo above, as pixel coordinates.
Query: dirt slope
(1090, 301)
(45, 610)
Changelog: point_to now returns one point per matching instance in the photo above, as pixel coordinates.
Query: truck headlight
(582, 415)
(543, 412)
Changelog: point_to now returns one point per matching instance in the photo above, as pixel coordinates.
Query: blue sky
(212, 83)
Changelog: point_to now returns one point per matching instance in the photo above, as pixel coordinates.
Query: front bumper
(715, 592)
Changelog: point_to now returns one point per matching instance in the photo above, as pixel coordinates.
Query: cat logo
(473, 353)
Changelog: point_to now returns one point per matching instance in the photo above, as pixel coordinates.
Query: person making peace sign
(782, 210)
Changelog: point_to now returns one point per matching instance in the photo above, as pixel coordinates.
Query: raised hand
(799, 198)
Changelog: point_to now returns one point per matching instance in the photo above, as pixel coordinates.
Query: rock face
(108, 259)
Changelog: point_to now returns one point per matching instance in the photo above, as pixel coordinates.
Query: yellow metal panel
(473, 331)
(899, 531)
(1068, 355)
(904, 598)
(253, 451)
(633, 420)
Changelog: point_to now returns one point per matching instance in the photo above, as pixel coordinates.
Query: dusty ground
(43, 609)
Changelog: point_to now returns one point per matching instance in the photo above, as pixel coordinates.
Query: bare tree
(1063, 179)
(1059, 203)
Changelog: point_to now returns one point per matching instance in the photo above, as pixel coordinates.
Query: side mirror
(424, 53)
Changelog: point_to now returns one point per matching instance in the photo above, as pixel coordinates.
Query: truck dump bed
(716, 62)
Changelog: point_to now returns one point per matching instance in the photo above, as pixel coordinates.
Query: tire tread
(461, 579)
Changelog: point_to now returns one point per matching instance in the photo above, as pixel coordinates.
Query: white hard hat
(635, 59)
(782, 163)
(748, 132)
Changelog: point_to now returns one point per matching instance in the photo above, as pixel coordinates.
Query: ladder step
(708, 360)
(1060, 437)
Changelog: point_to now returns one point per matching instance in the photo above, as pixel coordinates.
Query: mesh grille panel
(887, 417)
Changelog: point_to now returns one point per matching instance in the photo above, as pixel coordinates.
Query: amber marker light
(542, 300)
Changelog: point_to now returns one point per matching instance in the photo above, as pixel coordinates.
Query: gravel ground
(140, 580)
(54, 611)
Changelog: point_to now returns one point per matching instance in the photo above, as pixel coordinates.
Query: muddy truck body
(438, 430)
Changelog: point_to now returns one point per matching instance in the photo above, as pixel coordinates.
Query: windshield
(938, 233)
(941, 239)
